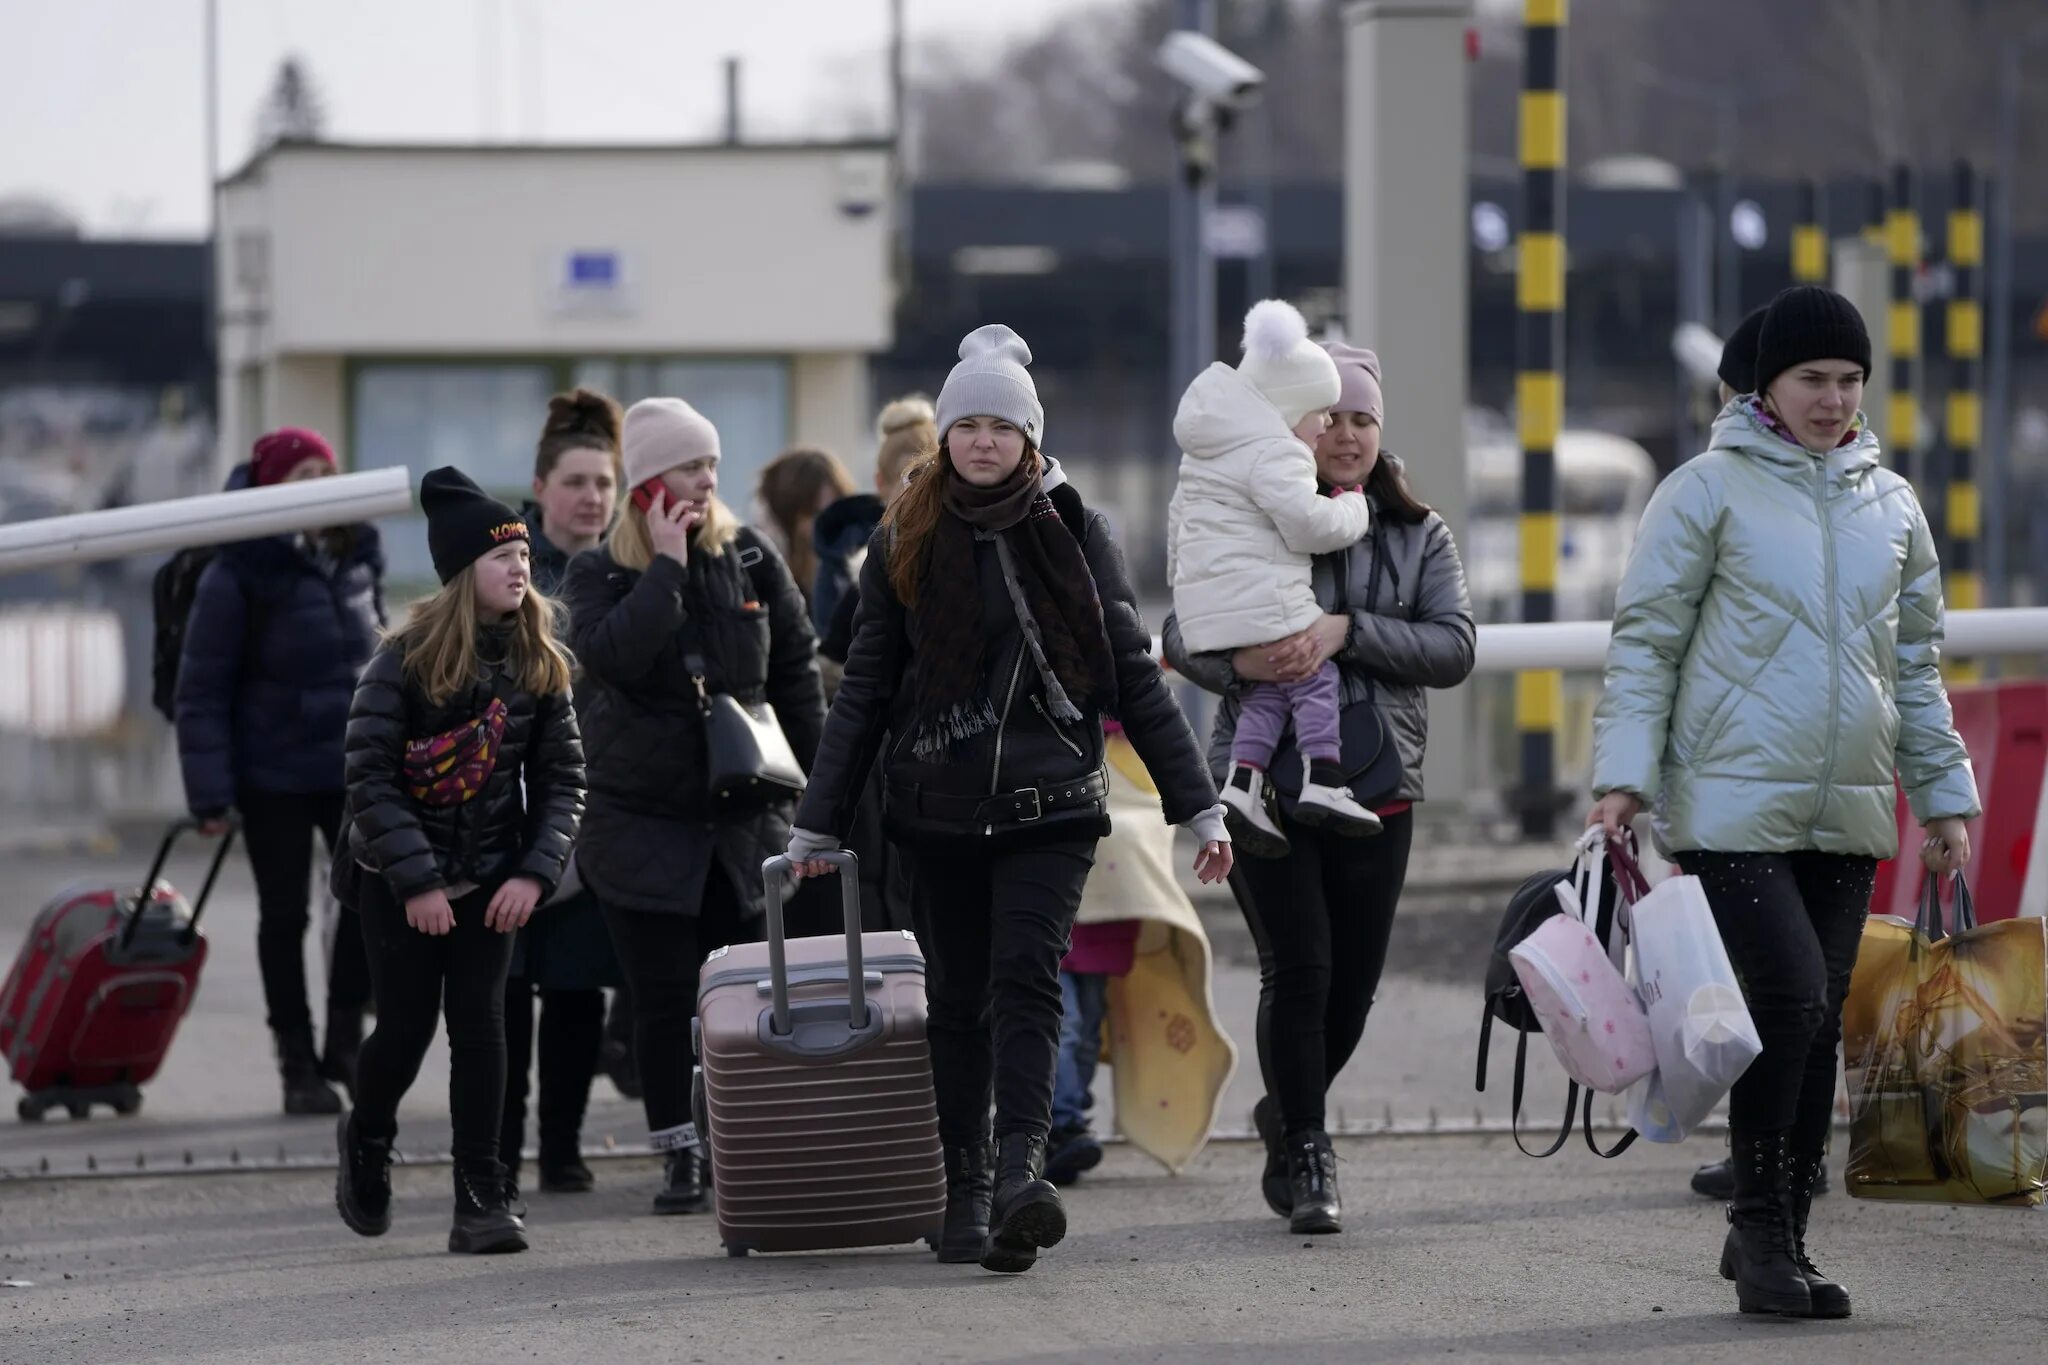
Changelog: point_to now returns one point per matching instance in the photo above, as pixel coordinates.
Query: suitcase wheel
(29, 1109)
(128, 1102)
(736, 1253)
(78, 1109)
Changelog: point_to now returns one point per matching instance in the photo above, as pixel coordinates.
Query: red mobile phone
(643, 494)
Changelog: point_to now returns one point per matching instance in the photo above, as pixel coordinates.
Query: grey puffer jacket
(1776, 653)
(1417, 635)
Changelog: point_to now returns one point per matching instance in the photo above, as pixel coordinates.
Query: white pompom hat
(1293, 373)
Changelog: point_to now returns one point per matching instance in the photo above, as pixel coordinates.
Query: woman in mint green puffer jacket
(1775, 662)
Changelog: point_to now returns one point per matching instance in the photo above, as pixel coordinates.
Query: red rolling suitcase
(816, 1086)
(95, 996)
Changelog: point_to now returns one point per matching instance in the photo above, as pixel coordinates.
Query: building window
(747, 400)
(483, 419)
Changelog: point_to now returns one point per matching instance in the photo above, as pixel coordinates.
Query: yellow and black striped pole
(1965, 407)
(1809, 239)
(1539, 389)
(1902, 245)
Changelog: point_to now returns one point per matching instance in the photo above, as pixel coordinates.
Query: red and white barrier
(2005, 728)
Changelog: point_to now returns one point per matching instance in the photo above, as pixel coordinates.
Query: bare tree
(1833, 89)
(293, 110)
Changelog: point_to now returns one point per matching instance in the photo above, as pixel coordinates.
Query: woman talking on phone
(682, 602)
(996, 630)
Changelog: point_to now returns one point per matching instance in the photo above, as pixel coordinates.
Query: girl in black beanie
(465, 787)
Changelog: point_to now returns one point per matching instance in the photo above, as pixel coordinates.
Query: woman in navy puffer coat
(279, 629)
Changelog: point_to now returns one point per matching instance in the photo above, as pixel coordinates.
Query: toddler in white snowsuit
(1245, 524)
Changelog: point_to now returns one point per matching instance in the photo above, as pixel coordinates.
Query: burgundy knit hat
(280, 452)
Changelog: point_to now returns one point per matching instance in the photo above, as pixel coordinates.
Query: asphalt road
(1459, 1248)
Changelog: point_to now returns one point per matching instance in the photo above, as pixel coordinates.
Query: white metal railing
(207, 519)
(1581, 646)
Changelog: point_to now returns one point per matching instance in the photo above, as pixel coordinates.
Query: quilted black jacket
(522, 823)
(652, 834)
(1029, 748)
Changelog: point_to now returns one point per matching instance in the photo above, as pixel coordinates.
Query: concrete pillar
(303, 391)
(1406, 161)
(830, 406)
(1863, 276)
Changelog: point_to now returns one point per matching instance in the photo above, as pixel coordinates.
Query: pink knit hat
(1359, 371)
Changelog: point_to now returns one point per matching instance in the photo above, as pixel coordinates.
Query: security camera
(1212, 71)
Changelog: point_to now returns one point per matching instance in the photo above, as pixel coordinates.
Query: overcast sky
(103, 103)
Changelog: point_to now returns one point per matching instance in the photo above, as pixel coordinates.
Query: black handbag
(1369, 757)
(750, 761)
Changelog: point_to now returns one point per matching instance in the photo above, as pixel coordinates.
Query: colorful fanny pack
(449, 768)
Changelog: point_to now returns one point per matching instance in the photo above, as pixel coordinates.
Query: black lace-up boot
(970, 1186)
(1026, 1213)
(1312, 1179)
(362, 1187)
(483, 1222)
(1761, 1252)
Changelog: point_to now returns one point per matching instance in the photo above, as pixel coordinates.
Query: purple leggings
(1264, 711)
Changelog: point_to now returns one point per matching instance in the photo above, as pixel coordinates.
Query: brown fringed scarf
(1050, 588)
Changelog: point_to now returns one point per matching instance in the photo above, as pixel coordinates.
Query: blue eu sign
(597, 270)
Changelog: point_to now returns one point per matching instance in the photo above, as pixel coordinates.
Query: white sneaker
(1334, 809)
(1252, 830)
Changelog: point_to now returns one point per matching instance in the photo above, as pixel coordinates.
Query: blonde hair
(631, 547)
(909, 431)
(438, 642)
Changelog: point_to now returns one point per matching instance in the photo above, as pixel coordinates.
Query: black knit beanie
(464, 523)
(1738, 353)
(1807, 322)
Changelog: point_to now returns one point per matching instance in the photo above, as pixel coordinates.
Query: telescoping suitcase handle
(773, 873)
(184, 825)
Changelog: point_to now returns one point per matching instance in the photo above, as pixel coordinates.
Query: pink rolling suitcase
(816, 1086)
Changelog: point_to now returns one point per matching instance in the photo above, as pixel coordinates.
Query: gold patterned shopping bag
(1947, 1058)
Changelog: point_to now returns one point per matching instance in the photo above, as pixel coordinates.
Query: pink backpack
(1591, 1015)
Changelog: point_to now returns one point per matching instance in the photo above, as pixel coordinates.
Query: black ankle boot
(1809, 1174)
(1715, 1180)
(1312, 1180)
(298, 1066)
(970, 1185)
(1025, 1213)
(686, 1182)
(1761, 1251)
(362, 1187)
(1273, 1181)
(483, 1223)
(564, 1172)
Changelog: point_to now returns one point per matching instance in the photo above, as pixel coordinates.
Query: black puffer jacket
(522, 823)
(652, 835)
(1029, 748)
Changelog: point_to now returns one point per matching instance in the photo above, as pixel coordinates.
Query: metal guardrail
(1581, 646)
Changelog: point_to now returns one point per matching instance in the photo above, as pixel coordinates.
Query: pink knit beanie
(1358, 370)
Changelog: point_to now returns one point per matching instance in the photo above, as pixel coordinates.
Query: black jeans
(1792, 923)
(571, 1028)
(1321, 918)
(993, 926)
(417, 977)
(660, 953)
(278, 829)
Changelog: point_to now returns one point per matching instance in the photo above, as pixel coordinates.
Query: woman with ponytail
(996, 630)
(563, 961)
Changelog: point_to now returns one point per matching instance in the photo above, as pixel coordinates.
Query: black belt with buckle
(1019, 807)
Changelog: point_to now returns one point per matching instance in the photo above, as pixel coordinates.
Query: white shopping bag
(1699, 1024)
